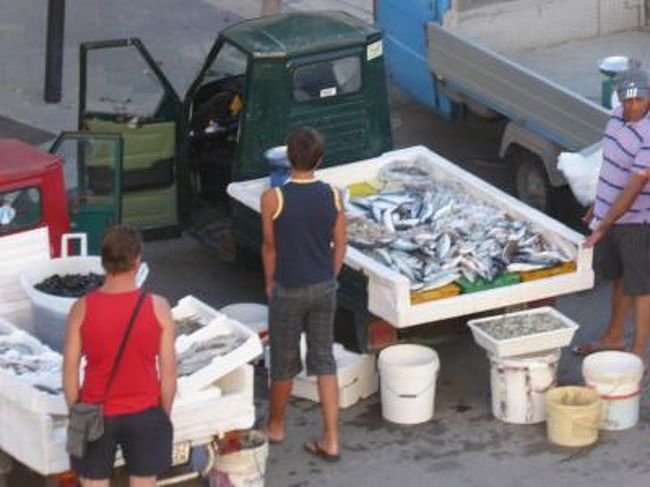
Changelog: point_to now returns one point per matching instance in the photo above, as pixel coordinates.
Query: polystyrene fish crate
(250, 349)
(356, 376)
(190, 306)
(19, 388)
(38, 439)
(536, 342)
(389, 295)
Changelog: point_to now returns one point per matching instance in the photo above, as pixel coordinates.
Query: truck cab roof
(299, 33)
(19, 160)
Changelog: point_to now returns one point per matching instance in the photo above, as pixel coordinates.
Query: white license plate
(181, 453)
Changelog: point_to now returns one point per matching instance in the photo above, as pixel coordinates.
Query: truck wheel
(532, 184)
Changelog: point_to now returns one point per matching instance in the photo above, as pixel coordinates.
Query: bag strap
(120, 351)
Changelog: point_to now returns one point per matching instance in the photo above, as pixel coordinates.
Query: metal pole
(54, 50)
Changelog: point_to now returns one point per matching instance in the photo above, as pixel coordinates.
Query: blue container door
(405, 45)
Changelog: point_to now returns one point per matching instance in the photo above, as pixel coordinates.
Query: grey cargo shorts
(308, 309)
(624, 253)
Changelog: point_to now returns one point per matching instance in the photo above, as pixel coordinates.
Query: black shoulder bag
(86, 421)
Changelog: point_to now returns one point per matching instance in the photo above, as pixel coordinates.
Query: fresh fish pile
(35, 364)
(200, 354)
(434, 233)
(188, 324)
(70, 285)
(521, 325)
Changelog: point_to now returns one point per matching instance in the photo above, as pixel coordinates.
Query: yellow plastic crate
(363, 188)
(552, 271)
(446, 291)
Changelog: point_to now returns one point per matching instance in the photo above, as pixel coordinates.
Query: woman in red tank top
(137, 406)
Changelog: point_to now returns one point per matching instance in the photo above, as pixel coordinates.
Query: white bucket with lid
(616, 376)
(519, 385)
(408, 376)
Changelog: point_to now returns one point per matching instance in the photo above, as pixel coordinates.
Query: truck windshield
(19, 210)
(230, 62)
(327, 78)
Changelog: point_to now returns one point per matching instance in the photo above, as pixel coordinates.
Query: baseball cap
(632, 83)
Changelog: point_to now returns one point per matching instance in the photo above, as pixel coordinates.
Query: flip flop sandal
(588, 348)
(314, 448)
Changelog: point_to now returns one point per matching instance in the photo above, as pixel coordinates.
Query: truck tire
(531, 181)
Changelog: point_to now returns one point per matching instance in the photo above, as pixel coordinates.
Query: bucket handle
(586, 422)
(610, 396)
(416, 395)
(82, 238)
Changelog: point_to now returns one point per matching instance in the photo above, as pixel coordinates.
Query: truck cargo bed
(574, 64)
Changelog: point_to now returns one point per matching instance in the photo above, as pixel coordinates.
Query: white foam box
(191, 306)
(389, 295)
(356, 374)
(537, 342)
(38, 439)
(18, 388)
(249, 350)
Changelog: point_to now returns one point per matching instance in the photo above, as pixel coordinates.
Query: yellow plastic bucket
(572, 416)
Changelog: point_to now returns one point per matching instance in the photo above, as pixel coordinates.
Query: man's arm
(269, 205)
(339, 241)
(634, 186)
(166, 353)
(72, 352)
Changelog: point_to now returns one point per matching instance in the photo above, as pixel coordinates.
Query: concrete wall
(517, 25)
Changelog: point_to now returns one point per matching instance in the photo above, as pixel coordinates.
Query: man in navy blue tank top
(304, 244)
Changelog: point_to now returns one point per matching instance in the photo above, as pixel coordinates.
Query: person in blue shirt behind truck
(303, 248)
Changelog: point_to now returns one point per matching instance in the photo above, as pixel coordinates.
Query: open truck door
(92, 169)
(123, 91)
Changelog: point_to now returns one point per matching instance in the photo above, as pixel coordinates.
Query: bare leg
(620, 305)
(641, 325)
(280, 392)
(95, 483)
(328, 393)
(142, 481)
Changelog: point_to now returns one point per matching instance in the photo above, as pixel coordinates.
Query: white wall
(526, 24)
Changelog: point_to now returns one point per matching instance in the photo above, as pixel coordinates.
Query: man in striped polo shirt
(621, 213)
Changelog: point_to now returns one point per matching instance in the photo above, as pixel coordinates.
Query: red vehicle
(74, 187)
(32, 191)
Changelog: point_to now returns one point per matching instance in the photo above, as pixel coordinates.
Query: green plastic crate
(505, 279)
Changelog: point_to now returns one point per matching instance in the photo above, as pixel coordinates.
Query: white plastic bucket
(408, 376)
(242, 468)
(519, 384)
(255, 316)
(50, 312)
(616, 376)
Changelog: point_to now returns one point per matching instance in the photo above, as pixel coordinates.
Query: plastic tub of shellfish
(50, 311)
(523, 332)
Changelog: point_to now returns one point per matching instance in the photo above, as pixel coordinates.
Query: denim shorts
(308, 309)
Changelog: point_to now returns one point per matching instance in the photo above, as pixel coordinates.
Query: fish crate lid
(232, 343)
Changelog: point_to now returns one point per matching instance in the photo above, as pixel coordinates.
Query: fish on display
(434, 233)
